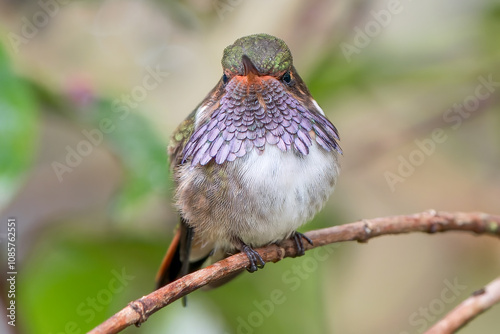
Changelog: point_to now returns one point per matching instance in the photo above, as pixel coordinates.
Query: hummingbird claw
(297, 238)
(256, 261)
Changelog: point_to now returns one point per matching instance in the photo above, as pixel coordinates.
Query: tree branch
(429, 222)
(470, 308)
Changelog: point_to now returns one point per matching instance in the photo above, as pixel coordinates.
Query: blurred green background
(90, 92)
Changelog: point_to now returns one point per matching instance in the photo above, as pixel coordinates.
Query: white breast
(289, 189)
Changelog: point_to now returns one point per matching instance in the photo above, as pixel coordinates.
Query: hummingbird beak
(248, 67)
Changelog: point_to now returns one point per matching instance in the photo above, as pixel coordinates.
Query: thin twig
(470, 308)
(429, 222)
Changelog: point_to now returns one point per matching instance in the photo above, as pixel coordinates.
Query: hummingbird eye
(225, 79)
(286, 78)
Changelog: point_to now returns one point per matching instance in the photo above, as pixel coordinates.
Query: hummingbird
(253, 162)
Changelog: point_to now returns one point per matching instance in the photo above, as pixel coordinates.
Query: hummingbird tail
(175, 263)
(171, 263)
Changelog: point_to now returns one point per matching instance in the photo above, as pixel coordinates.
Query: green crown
(269, 54)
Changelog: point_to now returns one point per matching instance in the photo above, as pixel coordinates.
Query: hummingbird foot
(297, 238)
(256, 261)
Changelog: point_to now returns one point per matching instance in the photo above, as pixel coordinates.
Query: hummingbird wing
(174, 262)
(180, 138)
(178, 260)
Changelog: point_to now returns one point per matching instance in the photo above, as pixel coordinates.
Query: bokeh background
(413, 87)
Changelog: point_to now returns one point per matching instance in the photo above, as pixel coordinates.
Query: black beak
(248, 66)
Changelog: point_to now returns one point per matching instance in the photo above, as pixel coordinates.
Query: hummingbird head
(259, 100)
(257, 62)
(261, 54)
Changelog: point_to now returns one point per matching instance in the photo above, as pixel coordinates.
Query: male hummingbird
(254, 161)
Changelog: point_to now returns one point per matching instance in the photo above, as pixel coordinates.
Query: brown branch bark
(470, 308)
(429, 222)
